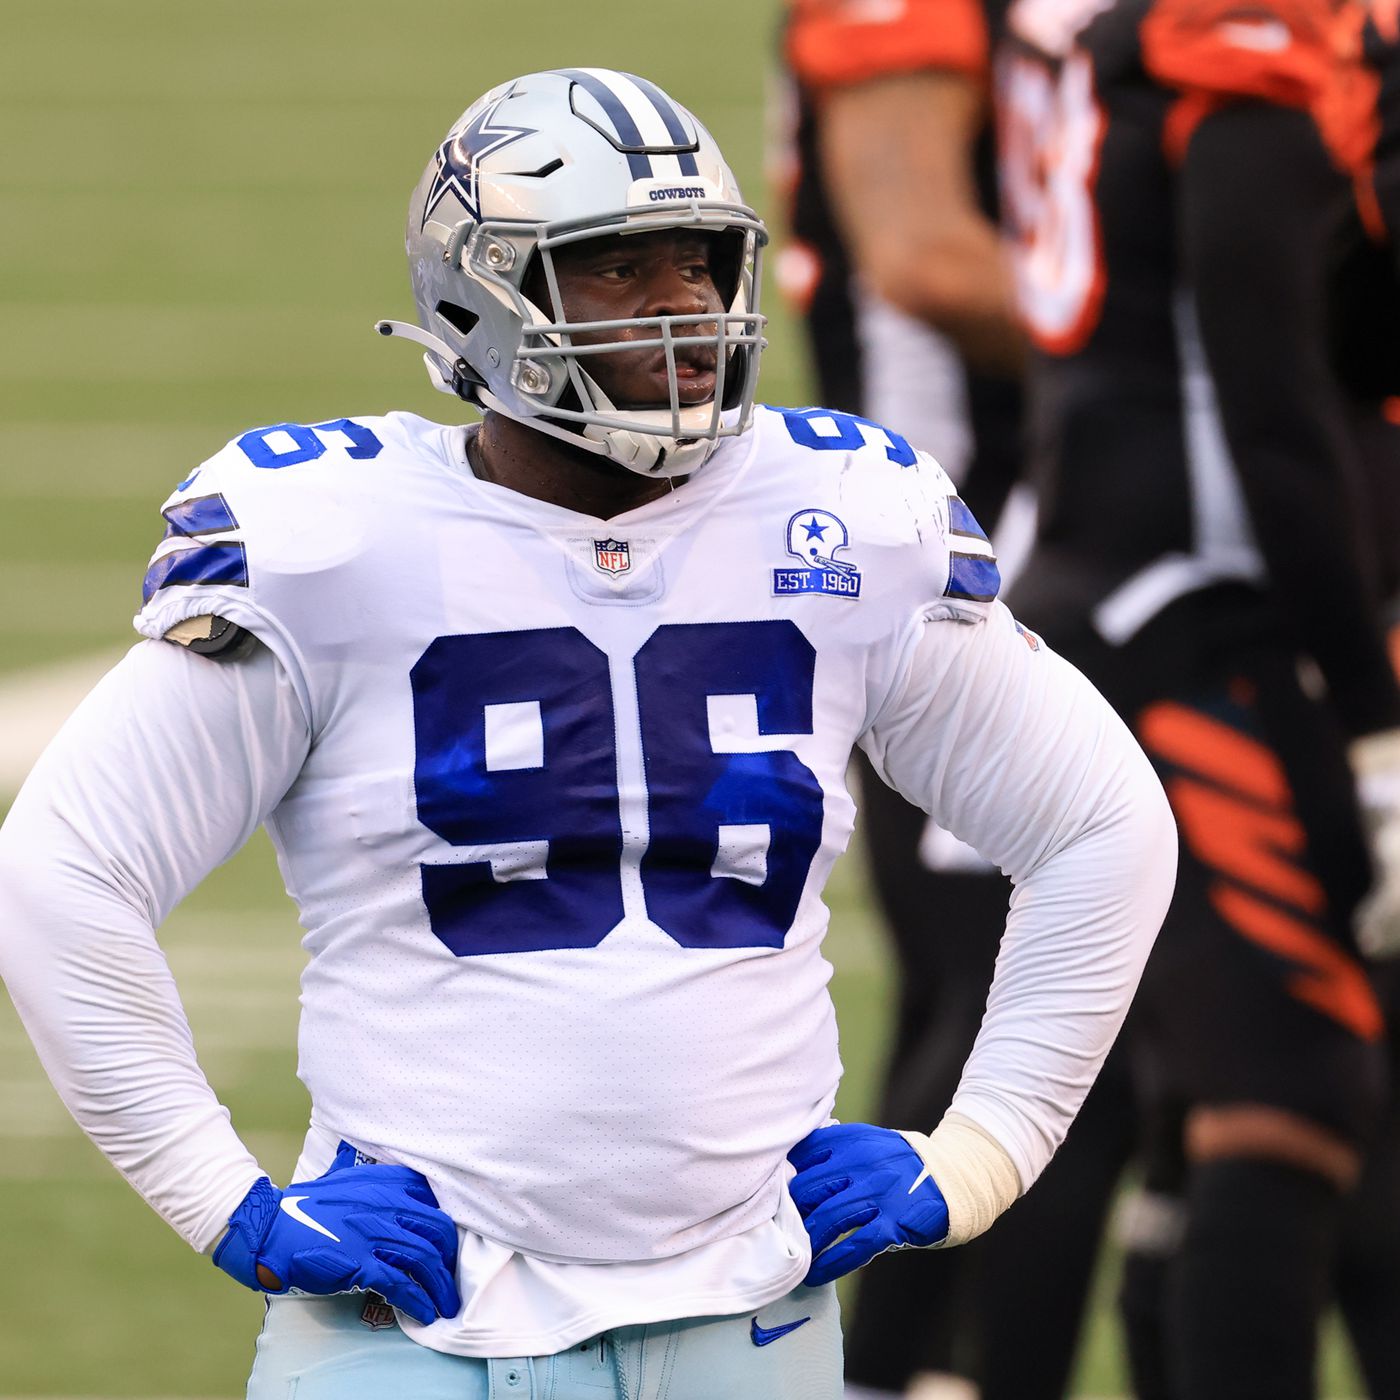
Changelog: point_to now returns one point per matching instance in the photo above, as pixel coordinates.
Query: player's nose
(676, 291)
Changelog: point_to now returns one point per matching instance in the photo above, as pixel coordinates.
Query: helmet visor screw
(533, 380)
(500, 257)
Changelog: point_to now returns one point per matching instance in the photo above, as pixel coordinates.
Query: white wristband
(972, 1170)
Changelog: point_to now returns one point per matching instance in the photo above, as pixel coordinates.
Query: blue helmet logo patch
(814, 538)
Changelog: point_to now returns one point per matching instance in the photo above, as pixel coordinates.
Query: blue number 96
(517, 758)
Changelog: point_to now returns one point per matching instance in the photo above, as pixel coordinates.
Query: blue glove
(368, 1227)
(868, 1185)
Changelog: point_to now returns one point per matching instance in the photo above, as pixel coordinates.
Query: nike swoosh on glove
(368, 1227)
(862, 1190)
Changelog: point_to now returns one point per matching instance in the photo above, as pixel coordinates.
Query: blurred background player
(901, 285)
(898, 266)
(1361, 117)
(1173, 190)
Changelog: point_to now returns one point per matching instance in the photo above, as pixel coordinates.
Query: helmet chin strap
(648, 454)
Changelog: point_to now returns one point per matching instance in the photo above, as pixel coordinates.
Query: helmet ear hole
(735, 377)
(534, 285)
(458, 317)
(727, 263)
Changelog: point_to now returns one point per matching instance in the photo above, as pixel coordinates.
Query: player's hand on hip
(1375, 760)
(368, 1227)
(862, 1190)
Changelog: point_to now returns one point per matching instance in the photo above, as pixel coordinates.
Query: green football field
(201, 210)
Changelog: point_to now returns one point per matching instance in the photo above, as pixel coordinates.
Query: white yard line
(33, 704)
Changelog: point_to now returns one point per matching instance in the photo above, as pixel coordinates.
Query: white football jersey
(573, 791)
(556, 799)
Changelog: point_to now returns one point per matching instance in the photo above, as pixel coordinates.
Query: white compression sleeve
(974, 1173)
(1007, 746)
(162, 773)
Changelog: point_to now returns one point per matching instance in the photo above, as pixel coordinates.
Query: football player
(1362, 119)
(1172, 183)
(896, 262)
(549, 719)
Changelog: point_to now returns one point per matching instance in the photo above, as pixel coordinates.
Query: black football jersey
(829, 43)
(1139, 500)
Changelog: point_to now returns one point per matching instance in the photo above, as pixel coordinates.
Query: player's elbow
(1163, 836)
(1149, 839)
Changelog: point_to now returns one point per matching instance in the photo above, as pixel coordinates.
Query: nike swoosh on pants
(762, 1336)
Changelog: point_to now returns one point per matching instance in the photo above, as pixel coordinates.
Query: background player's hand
(367, 1227)
(1375, 760)
(862, 1190)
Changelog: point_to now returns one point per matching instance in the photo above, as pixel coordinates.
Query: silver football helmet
(545, 161)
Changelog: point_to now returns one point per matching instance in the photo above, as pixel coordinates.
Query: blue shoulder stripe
(225, 563)
(204, 515)
(961, 521)
(974, 577)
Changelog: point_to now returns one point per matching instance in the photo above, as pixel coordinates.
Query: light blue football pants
(326, 1349)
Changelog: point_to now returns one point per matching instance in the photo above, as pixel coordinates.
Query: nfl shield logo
(377, 1314)
(612, 556)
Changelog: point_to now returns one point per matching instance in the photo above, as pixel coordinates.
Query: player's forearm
(897, 159)
(1079, 932)
(95, 994)
(159, 776)
(1012, 749)
(1017, 754)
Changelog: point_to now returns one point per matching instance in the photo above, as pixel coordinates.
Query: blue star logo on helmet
(814, 536)
(459, 160)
